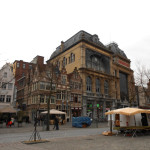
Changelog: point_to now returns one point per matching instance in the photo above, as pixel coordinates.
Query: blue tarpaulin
(80, 121)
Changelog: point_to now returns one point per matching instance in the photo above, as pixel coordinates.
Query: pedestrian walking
(56, 123)
(9, 122)
(12, 120)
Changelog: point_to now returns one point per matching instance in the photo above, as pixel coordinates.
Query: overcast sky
(36, 27)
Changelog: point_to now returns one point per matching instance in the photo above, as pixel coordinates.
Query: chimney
(40, 60)
(62, 46)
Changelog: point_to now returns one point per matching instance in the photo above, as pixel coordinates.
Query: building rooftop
(115, 49)
(94, 39)
(75, 39)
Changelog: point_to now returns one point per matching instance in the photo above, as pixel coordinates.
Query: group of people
(42, 120)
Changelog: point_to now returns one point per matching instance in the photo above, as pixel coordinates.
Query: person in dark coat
(56, 123)
(144, 121)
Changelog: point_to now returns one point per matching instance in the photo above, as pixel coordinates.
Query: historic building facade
(7, 86)
(45, 82)
(75, 97)
(107, 79)
(20, 70)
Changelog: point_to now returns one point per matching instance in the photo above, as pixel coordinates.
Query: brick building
(45, 82)
(20, 69)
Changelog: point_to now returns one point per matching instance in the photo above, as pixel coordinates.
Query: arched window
(95, 63)
(106, 88)
(97, 85)
(89, 84)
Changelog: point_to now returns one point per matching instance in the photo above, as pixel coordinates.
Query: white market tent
(127, 111)
(54, 111)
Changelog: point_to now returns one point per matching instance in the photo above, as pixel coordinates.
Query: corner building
(104, 70)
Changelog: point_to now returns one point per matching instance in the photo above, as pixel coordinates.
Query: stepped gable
(115, 49)
(81, 35)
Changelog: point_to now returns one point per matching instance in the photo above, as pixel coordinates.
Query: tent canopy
(8, 109)
(53, 111)
(127, 111)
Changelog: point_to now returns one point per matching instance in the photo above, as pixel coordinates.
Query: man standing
(56, 123)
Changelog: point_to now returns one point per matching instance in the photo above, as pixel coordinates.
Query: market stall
(53, 113)
(130, 120)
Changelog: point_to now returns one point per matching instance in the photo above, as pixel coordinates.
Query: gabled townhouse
(7, 86)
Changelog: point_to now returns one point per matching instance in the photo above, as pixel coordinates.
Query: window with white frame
(42, 85)
(36, 99)
(24, 66)
(47, 86)
(97, 86)
(89, 84)
(10, 85)
(72, 57)
(2, 98)
(3, 85)
(106, 88)
(8, 98)
(52, 100)
(47, 98)
(63, 79)
(42, 98)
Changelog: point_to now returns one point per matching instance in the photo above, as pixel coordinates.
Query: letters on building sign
(123, 63)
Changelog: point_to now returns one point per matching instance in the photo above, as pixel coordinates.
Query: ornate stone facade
(105, 72)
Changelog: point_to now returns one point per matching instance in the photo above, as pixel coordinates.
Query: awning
(127, 111)
(8, 109)
(53, 111)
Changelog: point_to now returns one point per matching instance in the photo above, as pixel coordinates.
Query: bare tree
(142, 78)
(51, 75)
